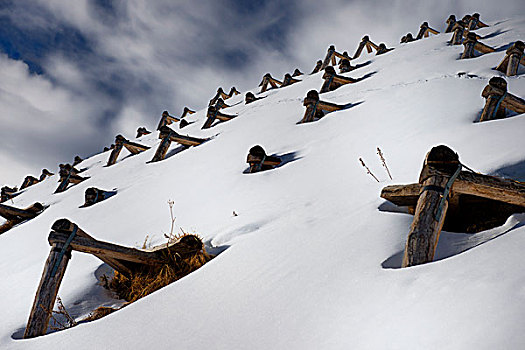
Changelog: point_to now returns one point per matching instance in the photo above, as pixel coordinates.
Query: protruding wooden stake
(450, 23)
(498, 99)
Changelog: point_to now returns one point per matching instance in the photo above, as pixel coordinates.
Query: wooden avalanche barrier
(120, 142)
(212, 114)
(45, 173)
(458, 30)
(365, 42)
(345, 66)
(425, 31)
(317, 67)
(269, 80)
(166, 119)
(450, 23)
(475, 22)
(332, 80)
(28, 181)
(15, 216)
(289, 80)
(67, 236)
(407, 38)
(77, 160)
(472, 44)
(250, 97)
(142, 131)
(513, 58)
(383, 49)
(223, 95)
(68, 174)
(94, 195)
(168, 136)
(331, 55)
(259, 161)
(221, 104)
(498, 99)
(7, 193)
(315, 108)
(462, 200)
(297, 72)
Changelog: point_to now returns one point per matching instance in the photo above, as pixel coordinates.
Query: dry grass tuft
(99, 313)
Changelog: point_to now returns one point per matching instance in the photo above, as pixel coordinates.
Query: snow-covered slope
(308, 262)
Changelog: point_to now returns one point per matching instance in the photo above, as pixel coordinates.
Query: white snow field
(310, 260)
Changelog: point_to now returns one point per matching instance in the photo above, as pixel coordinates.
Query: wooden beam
(30, 212)
(450, 23)
(514, 56)
(258, 159)
(317, 67)
(497, 99)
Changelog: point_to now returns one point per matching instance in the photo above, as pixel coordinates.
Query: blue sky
(73, 74)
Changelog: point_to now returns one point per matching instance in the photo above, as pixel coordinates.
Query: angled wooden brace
(259, 161)
(77, 160)
(317, 67)
(66, 237)
(365, 42)
(45, 173)
(220, 93)
(475, 22)
(15, 216)
(29, 181)
(289, 80)
(498, 99)
(315, 108)
(407, 38)
(7, 193)
(382, 49)
(329, 58)
(94, 195)
(142, 131)
(345, 66)
(425, 31)
(450, 23)
(472, 44)
(214, 113)
(250, 97)
(332, 80)
(233, 91)
(269, 80)
(297, 72)
(458, 30)
(221, 104)
(120, 142)
(514, 56)
(68, 174)
(167, 135)
(185, 112)
(166, 119)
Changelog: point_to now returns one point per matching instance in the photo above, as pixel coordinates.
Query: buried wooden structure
(332, 80)
(446, 196)
(120, 142)
(513, 58)
(94, 195)
(67, 236)
(450, 23)
(142, 131)
(297, 72)
(7, 193)
(259, 161)
(425, 31)
(365, 42)
(330, 58)
(407, 38)
(382, 49)
(269, 80)
(166, 119)
(29, 181)
(250, 97)
(475, 22)
(317, 67)
(458, 30)
(315, 108)
(472, 44)
(15, 216)
(221, 104)
(68, 174)
(289, 80)
(212, 114)
(187, 111)
(345, 66)
(45, 173)
(221, 94)
(168, 136)
(77, 160)
(498, 100)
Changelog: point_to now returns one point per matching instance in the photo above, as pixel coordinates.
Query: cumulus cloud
(108, 67)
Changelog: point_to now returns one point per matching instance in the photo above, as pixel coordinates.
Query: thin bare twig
(367, 169)
(384, 162)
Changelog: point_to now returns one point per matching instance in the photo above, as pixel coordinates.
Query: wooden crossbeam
(365, 42)
(333, 81)
(407, 38)
(450, 23)
(513, 58)
(221, 104)
(382, 49)
(250, 97)
(331, 56)
(472, 44)
(29, 181)
(475, 22)
(7, 193)
(317, 67)
(289, 80)
(77, 160)
(297, 72)
(212, 114)
(94, 195)
(168, 136)
(45, 173)
(187, 111)
(122, 142)
(15, 216)
(345, 66)
(68, 174)
(166, 119)
(498, 99)
(269, 80)
(233, 91)
(315, 108)
(425, 31)
(142, 131)
(458, 30)
(259, 161)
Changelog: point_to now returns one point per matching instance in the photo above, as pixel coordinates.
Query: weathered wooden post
(440, 169)
(297, 72)
(15, 216)
(329, 58)
(68, 174)
(7, 193)
(119, 143)
(407, 38)
(259, 161)
(498, 99)
(450, 23)
(514, 56)
(187, 111)
(166, 119)
(458, 29)
(168, 136)
(317, 67)
(315, 108)
(221, 104)
(142, 131)
(382, 49)
(77, 160)
(269, 80)
(345, 66)
(425, 30)
(471, 43)
(365, 42)
(233, 91)
(45, 173)
(28, 181)
(214, 113)
(250, 97)
(333, 81)
(475, 23)
(94, 195)
(288, 80)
